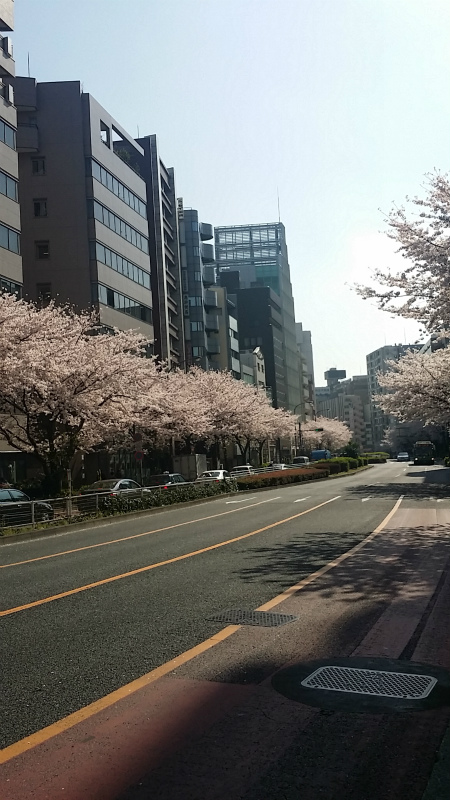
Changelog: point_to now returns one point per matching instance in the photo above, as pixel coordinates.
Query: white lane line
(244, 500)
(398, 474)
(365, 499)
(302, 499)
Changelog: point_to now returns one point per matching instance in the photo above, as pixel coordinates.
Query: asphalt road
(155, 591)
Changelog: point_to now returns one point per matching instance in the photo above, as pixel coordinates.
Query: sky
(337, 107)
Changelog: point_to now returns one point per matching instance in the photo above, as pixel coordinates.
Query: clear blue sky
(341, 104)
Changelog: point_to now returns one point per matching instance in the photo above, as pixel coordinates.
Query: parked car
(165, 480)
(112, 487)
(245, 469)
(403, 457)
(216, 475)
(300, 461)
(280, 466)
(16, 508)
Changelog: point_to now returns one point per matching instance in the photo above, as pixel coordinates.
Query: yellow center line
(45, 734)
(149, 567)
(133, 536)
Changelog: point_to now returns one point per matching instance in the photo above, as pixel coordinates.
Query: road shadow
(378, 576)
(421, 491)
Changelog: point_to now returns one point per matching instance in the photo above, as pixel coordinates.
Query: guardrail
(26, 513)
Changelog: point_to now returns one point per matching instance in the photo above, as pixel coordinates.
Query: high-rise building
(10, 141)
(347, 401)
(377, 361)
(164, 252)
(259, 254)
(304, 347)
(260, 325)
(84, 207)
(200, 310)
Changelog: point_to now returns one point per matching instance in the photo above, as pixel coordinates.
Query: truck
(424, 453)
(318, 455)
(190, 466)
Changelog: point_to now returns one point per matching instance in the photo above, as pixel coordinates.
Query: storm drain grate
(239, 616)
(371, 681)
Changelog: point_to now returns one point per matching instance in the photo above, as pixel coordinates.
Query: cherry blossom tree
(417, 387)
(63, 386)
(421, 291)
(333, 436)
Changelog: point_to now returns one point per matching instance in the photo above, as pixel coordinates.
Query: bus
(424, 453)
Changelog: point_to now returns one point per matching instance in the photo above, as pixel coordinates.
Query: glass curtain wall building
(259, 254)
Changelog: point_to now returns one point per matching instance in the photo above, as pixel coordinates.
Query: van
(300, 461)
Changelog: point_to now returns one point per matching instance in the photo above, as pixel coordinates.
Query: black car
(165, 480)
(16, 508)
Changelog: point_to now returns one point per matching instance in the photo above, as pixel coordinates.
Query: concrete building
(84, 208)
(347, 400)
(164, 251)
(305, 352)
(259, 254)
(10, 141)
(377, 361)
(198, 275)
(224, 345)
(260, 325)
(253, 368)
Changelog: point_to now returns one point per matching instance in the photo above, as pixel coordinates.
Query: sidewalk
(213, 728)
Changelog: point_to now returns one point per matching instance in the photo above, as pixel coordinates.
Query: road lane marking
(244, 500)
(7, 611)
(134, 536)
(302, 499)
(62, 725)
(365, 499)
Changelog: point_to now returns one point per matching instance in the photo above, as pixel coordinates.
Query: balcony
(210, 299)
(213, 345)
(7, 65)
(207, 253)
(211, 322)
(209, 276)
(206, 231)
(27, 138)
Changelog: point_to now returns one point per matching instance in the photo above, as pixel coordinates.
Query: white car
(280, 466)
(213, 475)
(403, 457)
(245, 469)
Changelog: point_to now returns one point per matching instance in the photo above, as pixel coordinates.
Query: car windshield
(104, 484)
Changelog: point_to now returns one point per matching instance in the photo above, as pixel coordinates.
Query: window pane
(100, 253)
(2, 183)
(98, 211)
(11, 189)
(3, 237)
(14, 241)
(95, 170)
(103, 175)
(2, 131)
(10, 137)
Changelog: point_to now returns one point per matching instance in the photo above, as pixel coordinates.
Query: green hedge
(280, 478)
(163, 497)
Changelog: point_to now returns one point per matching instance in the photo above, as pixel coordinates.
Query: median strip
(149, 567)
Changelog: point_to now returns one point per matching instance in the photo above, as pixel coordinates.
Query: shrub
(164, 497)
(447, 461)
(332, 465)
(280, 478)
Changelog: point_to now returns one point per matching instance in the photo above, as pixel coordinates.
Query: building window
(197, 326)
(7, 135)
(108, 297)
(40, 207)
(8, 186)
(105, 134)
(118, 225)
(42, 250)
(38, 166)
(195, 301)
(9, 239)
(198, 351)
(117, 188)
(10, 286)
(44, 293)
(196, 251)
(197, 276)
(119, 264)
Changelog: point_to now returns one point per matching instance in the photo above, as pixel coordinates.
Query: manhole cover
(365, 685)
(239, 616)
(371, 681)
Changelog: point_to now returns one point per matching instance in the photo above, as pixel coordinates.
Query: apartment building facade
(84, 208)
(259, 254)
(305, 352)
(348, 400)
(11, 278)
